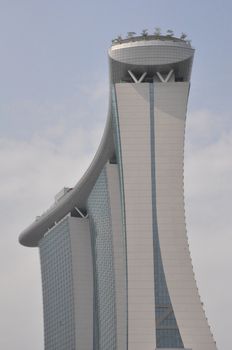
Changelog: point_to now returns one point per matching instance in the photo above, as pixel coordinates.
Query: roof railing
(157, 35)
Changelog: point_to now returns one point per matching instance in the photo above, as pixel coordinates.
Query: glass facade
(57, 282)
(167, 332)
(104, 281)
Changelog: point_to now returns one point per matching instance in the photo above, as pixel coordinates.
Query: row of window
(56, 265)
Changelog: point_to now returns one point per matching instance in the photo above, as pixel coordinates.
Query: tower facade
(116, 267)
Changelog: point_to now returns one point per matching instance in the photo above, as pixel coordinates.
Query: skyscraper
(116, 268)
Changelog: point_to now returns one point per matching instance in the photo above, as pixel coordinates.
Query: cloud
(40, 166)
(205, 127)
(24, 117)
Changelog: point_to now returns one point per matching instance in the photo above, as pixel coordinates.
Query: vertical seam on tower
(118, 145)
(95, 318)
(72, 280)
(152, 150)
(112, 251)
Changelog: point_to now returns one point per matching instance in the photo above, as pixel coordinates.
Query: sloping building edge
(77, 196)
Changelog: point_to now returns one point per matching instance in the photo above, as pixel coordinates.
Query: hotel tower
(115, 261)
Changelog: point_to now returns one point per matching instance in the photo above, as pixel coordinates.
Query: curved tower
(116, 267)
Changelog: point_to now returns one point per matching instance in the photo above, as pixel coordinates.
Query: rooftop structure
(120, 40)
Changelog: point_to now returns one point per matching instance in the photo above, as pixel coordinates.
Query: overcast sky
(53, 105)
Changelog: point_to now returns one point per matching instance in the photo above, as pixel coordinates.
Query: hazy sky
(53, 104)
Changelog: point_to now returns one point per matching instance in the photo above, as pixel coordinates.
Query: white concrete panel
(82, 282)
(170, 111)
(134, 122)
